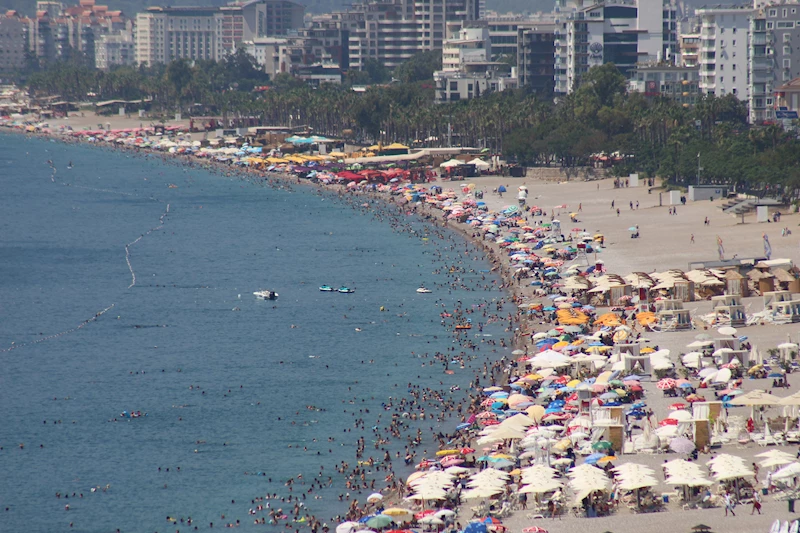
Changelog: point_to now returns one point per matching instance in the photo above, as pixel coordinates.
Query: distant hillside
(134, 6)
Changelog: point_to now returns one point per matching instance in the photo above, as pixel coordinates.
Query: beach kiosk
(728, 310)
(736, 284)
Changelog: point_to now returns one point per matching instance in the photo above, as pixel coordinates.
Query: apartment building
(115, 49)
(13, 33)
(774, 55)
(58, 31)
(467, 69)
(681, 84)
(689, 49)
(724, 50)
(164, 34)
(623, 32)
(536, 58)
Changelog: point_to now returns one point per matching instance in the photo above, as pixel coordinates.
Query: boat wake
(139, 238)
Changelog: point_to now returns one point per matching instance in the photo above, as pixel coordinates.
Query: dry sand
(664, 243)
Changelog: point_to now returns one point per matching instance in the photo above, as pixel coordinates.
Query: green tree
(419, 67)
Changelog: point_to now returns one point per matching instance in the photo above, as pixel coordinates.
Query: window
(787, 63)
(787, 50)
(734, 66)
(721, 67)
(722, 79)
(770, 25)
(734, 30)
(734, 42)
(785, 25)
(769, 100)
(735, 90)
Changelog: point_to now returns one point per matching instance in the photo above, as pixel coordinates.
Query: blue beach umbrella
(592, 459)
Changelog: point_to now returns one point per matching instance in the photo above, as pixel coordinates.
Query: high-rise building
(393, 31)
(724, 51)
(623, 32)
(467, 69)
(164, 34)
(58, 31)
(12, 41)
(536, 58)
(774, 56)
(115, 49)
(247, 20)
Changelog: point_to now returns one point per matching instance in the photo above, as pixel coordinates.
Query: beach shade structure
(380, 521)
(445, 513)
(481, 493)
(787, 472)
(755, 397)
(681, 445)
(431, 520)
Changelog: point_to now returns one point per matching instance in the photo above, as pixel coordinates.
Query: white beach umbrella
(689, 481)
(480, 493)
(787, 472)
(347, 527)
(541, 486)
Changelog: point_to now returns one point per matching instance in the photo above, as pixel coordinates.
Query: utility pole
(699, 168)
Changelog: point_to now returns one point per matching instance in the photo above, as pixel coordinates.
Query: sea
(126, 286)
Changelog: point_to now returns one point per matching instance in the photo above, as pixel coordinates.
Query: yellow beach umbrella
(574, 383)
(397, 511)
(442, 453)
(502, 456)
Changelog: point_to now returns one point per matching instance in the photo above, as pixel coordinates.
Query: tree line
(653, 136)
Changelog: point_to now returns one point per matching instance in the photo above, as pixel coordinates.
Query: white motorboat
(423, 290)
(266, 295)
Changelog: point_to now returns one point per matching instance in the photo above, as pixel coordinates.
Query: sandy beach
(665, 242)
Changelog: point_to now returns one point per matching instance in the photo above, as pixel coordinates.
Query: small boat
(326, 288)
(266, 295)
(423, 290)
(464, 326)
(346, 290)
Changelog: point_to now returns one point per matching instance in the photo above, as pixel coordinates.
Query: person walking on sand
(729, 505)
(756, 502)
(691, 239)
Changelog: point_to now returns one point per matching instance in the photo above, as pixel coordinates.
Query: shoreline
(426, 215)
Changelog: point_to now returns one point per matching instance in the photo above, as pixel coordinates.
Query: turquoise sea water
(224, 378)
